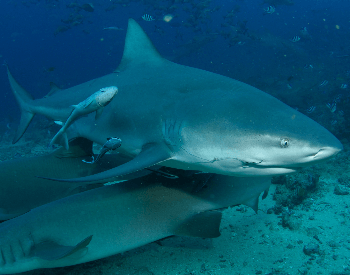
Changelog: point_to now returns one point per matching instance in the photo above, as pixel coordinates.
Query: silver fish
(310, 109)
(270, 10)
(323, 83)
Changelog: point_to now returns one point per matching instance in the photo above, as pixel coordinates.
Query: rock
(340, 191)
(311, 249)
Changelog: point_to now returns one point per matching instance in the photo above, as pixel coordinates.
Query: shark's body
(112, 219)
(187, 118)
(21, 190)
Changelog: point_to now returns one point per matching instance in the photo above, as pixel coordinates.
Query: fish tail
(24, 100)
(60, 138)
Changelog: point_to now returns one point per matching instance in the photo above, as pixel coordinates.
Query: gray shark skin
(21, 190)
(112, 219)
(186, 118)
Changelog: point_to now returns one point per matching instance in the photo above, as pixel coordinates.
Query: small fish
(49, 69)
(334, 122)
(304, 33)
(343, 86)
(307, 66)
(269, 10)
(88, 7)
(289, 86)
(147, 17)
(337, 98)
(310, 109)
(111, 144)
(341, 112)
(295, 39)
(324, 83)
(332, 106)
(113, 28)
(95, 102)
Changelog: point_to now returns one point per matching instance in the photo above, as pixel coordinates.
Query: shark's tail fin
(23, 99)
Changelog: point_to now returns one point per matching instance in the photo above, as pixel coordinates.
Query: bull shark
(186, 118)
(112, 219)
(21, 190)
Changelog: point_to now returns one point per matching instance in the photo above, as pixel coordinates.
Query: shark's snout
(327, 152)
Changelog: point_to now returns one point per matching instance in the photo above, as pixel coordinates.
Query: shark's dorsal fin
(138, 48)
(54, 89)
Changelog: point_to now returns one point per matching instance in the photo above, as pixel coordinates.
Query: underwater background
(298, 51)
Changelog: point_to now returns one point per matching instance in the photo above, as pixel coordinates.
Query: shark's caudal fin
(23, 99)
(138, 48)
(150, 155)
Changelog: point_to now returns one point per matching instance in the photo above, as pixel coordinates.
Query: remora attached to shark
(112, 219)
(186, 118)
(94, 103)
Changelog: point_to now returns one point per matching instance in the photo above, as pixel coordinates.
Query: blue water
(266, 55)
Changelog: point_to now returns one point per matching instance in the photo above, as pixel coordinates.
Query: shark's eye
(284, 142)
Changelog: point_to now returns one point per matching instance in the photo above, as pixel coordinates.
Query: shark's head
(105, 95)
(254, 134)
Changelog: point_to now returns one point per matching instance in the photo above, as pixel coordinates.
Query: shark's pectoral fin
(150, 155)
(5, 215)
(203, 225)
(51, 251)
(99, 112)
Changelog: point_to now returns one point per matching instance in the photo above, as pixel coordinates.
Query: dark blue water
(233, 38)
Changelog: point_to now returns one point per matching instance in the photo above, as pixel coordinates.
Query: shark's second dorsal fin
(138, 48)
(53, 89)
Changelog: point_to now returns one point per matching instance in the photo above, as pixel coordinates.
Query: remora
(186, 118)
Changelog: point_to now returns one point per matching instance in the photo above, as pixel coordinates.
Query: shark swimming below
(112, 219)
(185, 118)
(21, 190)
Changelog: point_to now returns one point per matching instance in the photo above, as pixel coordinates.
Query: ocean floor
(308, 237)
